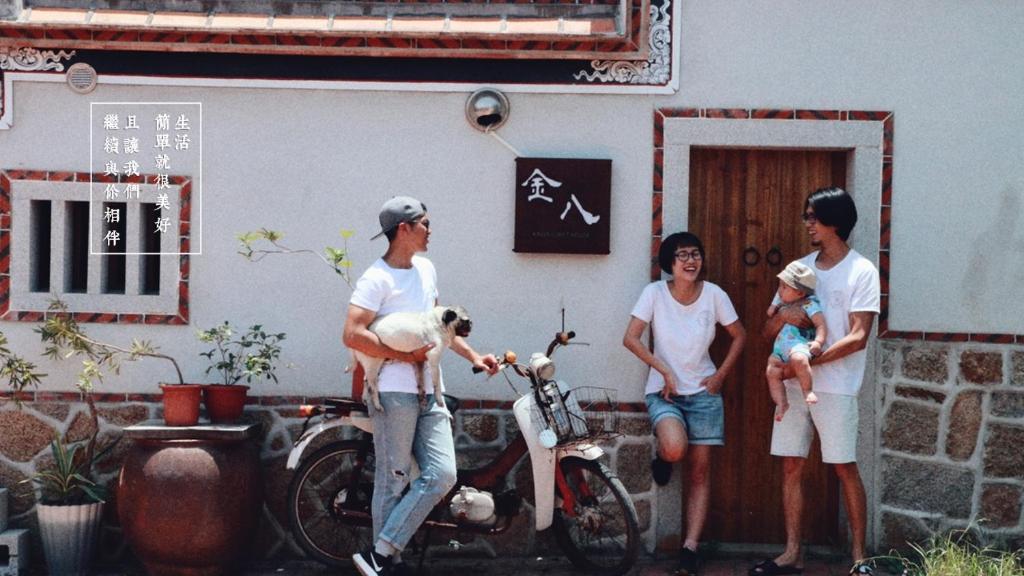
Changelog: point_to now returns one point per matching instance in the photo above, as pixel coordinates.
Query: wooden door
(746, 205)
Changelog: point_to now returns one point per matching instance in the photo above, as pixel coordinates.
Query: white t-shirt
(683, 334)
(849, 286)
(383, 289)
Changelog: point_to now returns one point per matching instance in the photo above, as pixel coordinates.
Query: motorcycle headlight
(542, 366)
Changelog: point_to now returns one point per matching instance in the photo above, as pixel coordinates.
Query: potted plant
(250, 355)
(65, 338)
(19, 373)
(71, 506)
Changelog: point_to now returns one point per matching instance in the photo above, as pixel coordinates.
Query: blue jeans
(401, 432)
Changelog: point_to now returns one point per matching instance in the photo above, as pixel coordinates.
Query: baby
(793, 345)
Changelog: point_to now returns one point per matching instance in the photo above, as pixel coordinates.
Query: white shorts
(835, 418)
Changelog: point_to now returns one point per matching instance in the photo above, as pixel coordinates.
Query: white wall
(310, 162)
(952, 72)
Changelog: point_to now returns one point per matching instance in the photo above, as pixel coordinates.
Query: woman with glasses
(684, 386)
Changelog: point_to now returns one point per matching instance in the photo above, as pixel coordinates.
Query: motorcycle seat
(452, 403)
(345, 405)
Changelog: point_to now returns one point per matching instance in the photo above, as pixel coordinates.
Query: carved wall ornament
(657, 69)
(28, 59)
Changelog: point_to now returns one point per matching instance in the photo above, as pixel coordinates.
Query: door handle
(751, 256)
(774, 256)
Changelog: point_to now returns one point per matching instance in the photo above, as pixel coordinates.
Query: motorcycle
(577, 496)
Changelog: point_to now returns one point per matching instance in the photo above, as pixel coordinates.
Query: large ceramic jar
(189, 498)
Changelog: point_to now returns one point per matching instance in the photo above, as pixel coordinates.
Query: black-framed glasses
(683, 256)
(809, 218)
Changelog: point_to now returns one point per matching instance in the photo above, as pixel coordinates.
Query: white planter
(69, 536)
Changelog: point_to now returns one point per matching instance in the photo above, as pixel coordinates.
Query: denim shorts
(702, 415)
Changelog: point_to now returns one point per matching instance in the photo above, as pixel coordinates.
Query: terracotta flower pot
(181, 404)
(225, 403)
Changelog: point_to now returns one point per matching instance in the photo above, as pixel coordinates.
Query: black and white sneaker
(369, 563)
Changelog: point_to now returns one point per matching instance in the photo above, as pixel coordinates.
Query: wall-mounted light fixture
(487, 109)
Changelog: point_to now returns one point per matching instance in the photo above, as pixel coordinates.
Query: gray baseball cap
(397, 210)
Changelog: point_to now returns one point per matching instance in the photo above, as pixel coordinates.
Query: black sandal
(770, 568)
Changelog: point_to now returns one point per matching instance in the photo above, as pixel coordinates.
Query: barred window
(54, 236)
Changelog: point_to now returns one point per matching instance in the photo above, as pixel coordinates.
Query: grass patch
(955, 555)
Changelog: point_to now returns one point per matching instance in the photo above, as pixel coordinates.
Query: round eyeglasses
(684, 256)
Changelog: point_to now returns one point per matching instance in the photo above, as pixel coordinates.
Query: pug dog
(408, 331)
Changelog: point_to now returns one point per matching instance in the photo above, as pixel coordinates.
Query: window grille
(54, 237)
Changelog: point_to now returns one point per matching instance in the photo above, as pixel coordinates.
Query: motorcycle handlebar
(509, 357)
(561, 339)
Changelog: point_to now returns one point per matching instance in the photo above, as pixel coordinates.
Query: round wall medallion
(81, 78)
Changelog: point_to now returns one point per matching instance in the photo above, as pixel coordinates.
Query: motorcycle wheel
(322, 486)
(603, 536)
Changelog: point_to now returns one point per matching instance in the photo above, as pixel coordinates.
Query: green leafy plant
(65, 338)
(250, 355)
(953, 554)
(18, 372)
(257, 244)
(69, 479)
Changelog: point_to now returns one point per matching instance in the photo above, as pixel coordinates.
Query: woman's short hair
(833, 207)
(667, 251)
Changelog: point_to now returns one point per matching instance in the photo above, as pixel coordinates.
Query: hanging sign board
(562, 205)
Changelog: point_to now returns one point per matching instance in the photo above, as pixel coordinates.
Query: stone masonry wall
(25, 435)
(950, 430)
(482, 429)
(951, 434)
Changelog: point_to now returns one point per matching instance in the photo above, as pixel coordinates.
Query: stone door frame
(868, 138)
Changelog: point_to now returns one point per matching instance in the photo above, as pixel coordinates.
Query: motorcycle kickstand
(423, 551)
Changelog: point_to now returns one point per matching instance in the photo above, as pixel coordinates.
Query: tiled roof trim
(598, 26)
(600, 32)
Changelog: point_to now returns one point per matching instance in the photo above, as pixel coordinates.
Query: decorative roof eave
(420, 39)
(368, 46)
(28, 59)
(444, 69)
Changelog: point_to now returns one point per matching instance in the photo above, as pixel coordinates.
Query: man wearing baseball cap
(403, 281)
(848, 287)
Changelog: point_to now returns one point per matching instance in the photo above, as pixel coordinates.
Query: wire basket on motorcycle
(585, 413)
